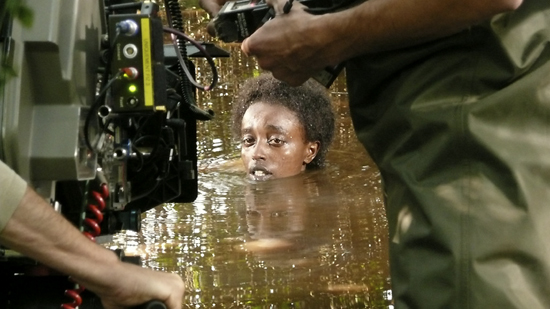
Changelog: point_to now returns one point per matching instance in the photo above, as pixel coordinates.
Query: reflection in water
(316, 240)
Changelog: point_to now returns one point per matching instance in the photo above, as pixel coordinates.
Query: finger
(212, 8)
(176, 300)
(293, 79)
(245, 48)
(211, 29)
(174, 304)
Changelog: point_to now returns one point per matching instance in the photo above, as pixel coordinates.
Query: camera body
(97, 100)
(59, 132)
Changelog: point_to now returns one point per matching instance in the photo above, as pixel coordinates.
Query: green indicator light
(132, 88)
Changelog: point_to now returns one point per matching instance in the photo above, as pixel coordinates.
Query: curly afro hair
(309, 102)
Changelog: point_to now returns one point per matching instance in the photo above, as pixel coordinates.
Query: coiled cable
(95, 205)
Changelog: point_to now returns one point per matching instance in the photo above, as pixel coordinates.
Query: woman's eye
(247, 141)
(276, 141)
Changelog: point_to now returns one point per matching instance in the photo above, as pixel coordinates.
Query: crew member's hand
(212, 7)
(292, 46)
(132, 285)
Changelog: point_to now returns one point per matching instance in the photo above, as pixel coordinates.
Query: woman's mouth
(259, 174)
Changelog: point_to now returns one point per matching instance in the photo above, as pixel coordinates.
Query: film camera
(100, 119)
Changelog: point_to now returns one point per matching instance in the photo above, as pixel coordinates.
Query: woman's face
(273, 142)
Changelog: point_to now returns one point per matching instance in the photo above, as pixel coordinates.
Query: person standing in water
(283, 130)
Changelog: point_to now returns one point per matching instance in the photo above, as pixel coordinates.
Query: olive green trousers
(460, 129)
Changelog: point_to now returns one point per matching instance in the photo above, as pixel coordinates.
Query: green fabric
(460, 129)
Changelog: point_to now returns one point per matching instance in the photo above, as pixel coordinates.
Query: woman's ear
(311, 151)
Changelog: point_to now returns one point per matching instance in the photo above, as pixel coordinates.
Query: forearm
(382, 25)
(37, 231)
(295, 46)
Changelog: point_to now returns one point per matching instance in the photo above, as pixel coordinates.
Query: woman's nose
(258, 153)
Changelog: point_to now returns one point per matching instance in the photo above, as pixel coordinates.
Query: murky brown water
(318, 240)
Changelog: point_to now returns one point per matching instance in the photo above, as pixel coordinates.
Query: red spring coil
(95, 207)
(75, 296)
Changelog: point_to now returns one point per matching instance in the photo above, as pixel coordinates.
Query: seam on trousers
(464, 290)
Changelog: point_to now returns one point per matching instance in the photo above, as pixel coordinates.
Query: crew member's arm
(39, 232)
(293, 46)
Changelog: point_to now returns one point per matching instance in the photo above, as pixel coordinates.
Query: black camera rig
(101, 119)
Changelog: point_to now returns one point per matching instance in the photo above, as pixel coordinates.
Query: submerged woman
(283, 130)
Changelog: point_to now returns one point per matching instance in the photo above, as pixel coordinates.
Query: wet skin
(273, 142)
